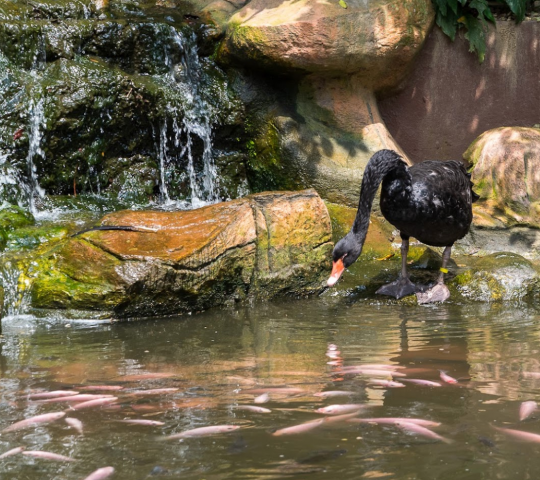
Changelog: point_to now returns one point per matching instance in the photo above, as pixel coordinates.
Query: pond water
(226, 358)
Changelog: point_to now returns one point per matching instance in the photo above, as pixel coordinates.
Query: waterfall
(35, 135)
(183, 96)
(197, 117)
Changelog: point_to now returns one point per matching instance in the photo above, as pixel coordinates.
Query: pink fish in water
(371, 371)
(48, 456)
(98, 402)
(154, 391)
(74, 398)
(420, 430)
(393, 420)
(262, 398)
(301, 428)
(252, 408)
(147, 376)
(101, 474)
(341, 409)
(33, 421)
(333, 393)
(141, 421)
(447, 378)
(424, 383)
(102, 388)
(526, 409)
(203, 431)
(330, 419)
(13, 451)
(76, 424)
(385, 383)
(376, 366)
(54, 394)
(276, 390)
(519, 435)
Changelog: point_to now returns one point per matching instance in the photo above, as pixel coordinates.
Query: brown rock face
(337, 58)
(258, 247)
(376, 39)
(507, 175)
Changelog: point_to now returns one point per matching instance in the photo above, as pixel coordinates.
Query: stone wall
(449, 98)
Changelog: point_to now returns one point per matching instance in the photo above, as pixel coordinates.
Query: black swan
(430, 201)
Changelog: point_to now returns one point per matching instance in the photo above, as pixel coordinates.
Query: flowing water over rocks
(120, 104)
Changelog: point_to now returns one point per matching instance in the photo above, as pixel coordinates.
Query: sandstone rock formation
(258, 247)
(337, 60)
(506, 175)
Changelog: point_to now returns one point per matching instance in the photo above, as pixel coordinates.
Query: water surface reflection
(218, 360)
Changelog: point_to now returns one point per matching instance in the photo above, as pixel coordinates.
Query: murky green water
(214, 357)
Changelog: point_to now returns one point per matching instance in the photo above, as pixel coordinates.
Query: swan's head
(345, 253)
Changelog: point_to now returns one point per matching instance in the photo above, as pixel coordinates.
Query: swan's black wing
(434, 204)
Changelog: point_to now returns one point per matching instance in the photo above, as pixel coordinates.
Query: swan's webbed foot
(398, 289)
(439, 293)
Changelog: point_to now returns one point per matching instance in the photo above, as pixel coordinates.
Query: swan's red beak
(337, 269)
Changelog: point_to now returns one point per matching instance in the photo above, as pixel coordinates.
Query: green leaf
(518, 8)
(441, 6)
(453, 5)
(476, 36)
(482, 8)
(448, 23)
(343, 4)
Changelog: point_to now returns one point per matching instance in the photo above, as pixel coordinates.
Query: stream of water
(219, 361)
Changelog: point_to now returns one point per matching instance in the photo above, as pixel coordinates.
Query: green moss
(266, 169)
(73, 274)
(28, 238)
(12, 217)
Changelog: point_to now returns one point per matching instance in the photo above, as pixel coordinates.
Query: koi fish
(527, 409)
(420, 430)
(48, 456)
(31, 422)
(296, 429)
(447, 378)
(203, 431)
(341, 409)
(101, 474)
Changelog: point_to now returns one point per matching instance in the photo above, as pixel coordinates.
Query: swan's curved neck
(379, 165)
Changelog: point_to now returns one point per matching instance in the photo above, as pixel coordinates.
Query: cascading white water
(35, 135)
(196, 122)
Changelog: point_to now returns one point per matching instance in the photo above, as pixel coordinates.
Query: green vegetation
(473, 15)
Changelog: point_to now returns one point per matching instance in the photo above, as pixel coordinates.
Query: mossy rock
(12, 217)
(502, 276)
(262, 246)
(28, 238)
(421, 256)
(379, 237)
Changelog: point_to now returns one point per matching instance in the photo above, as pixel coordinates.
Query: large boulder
(173, 262)
(331, 60)
(506, 175)
(376, 39)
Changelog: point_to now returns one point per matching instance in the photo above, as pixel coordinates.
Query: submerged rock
(502, 276)
(258, 247)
